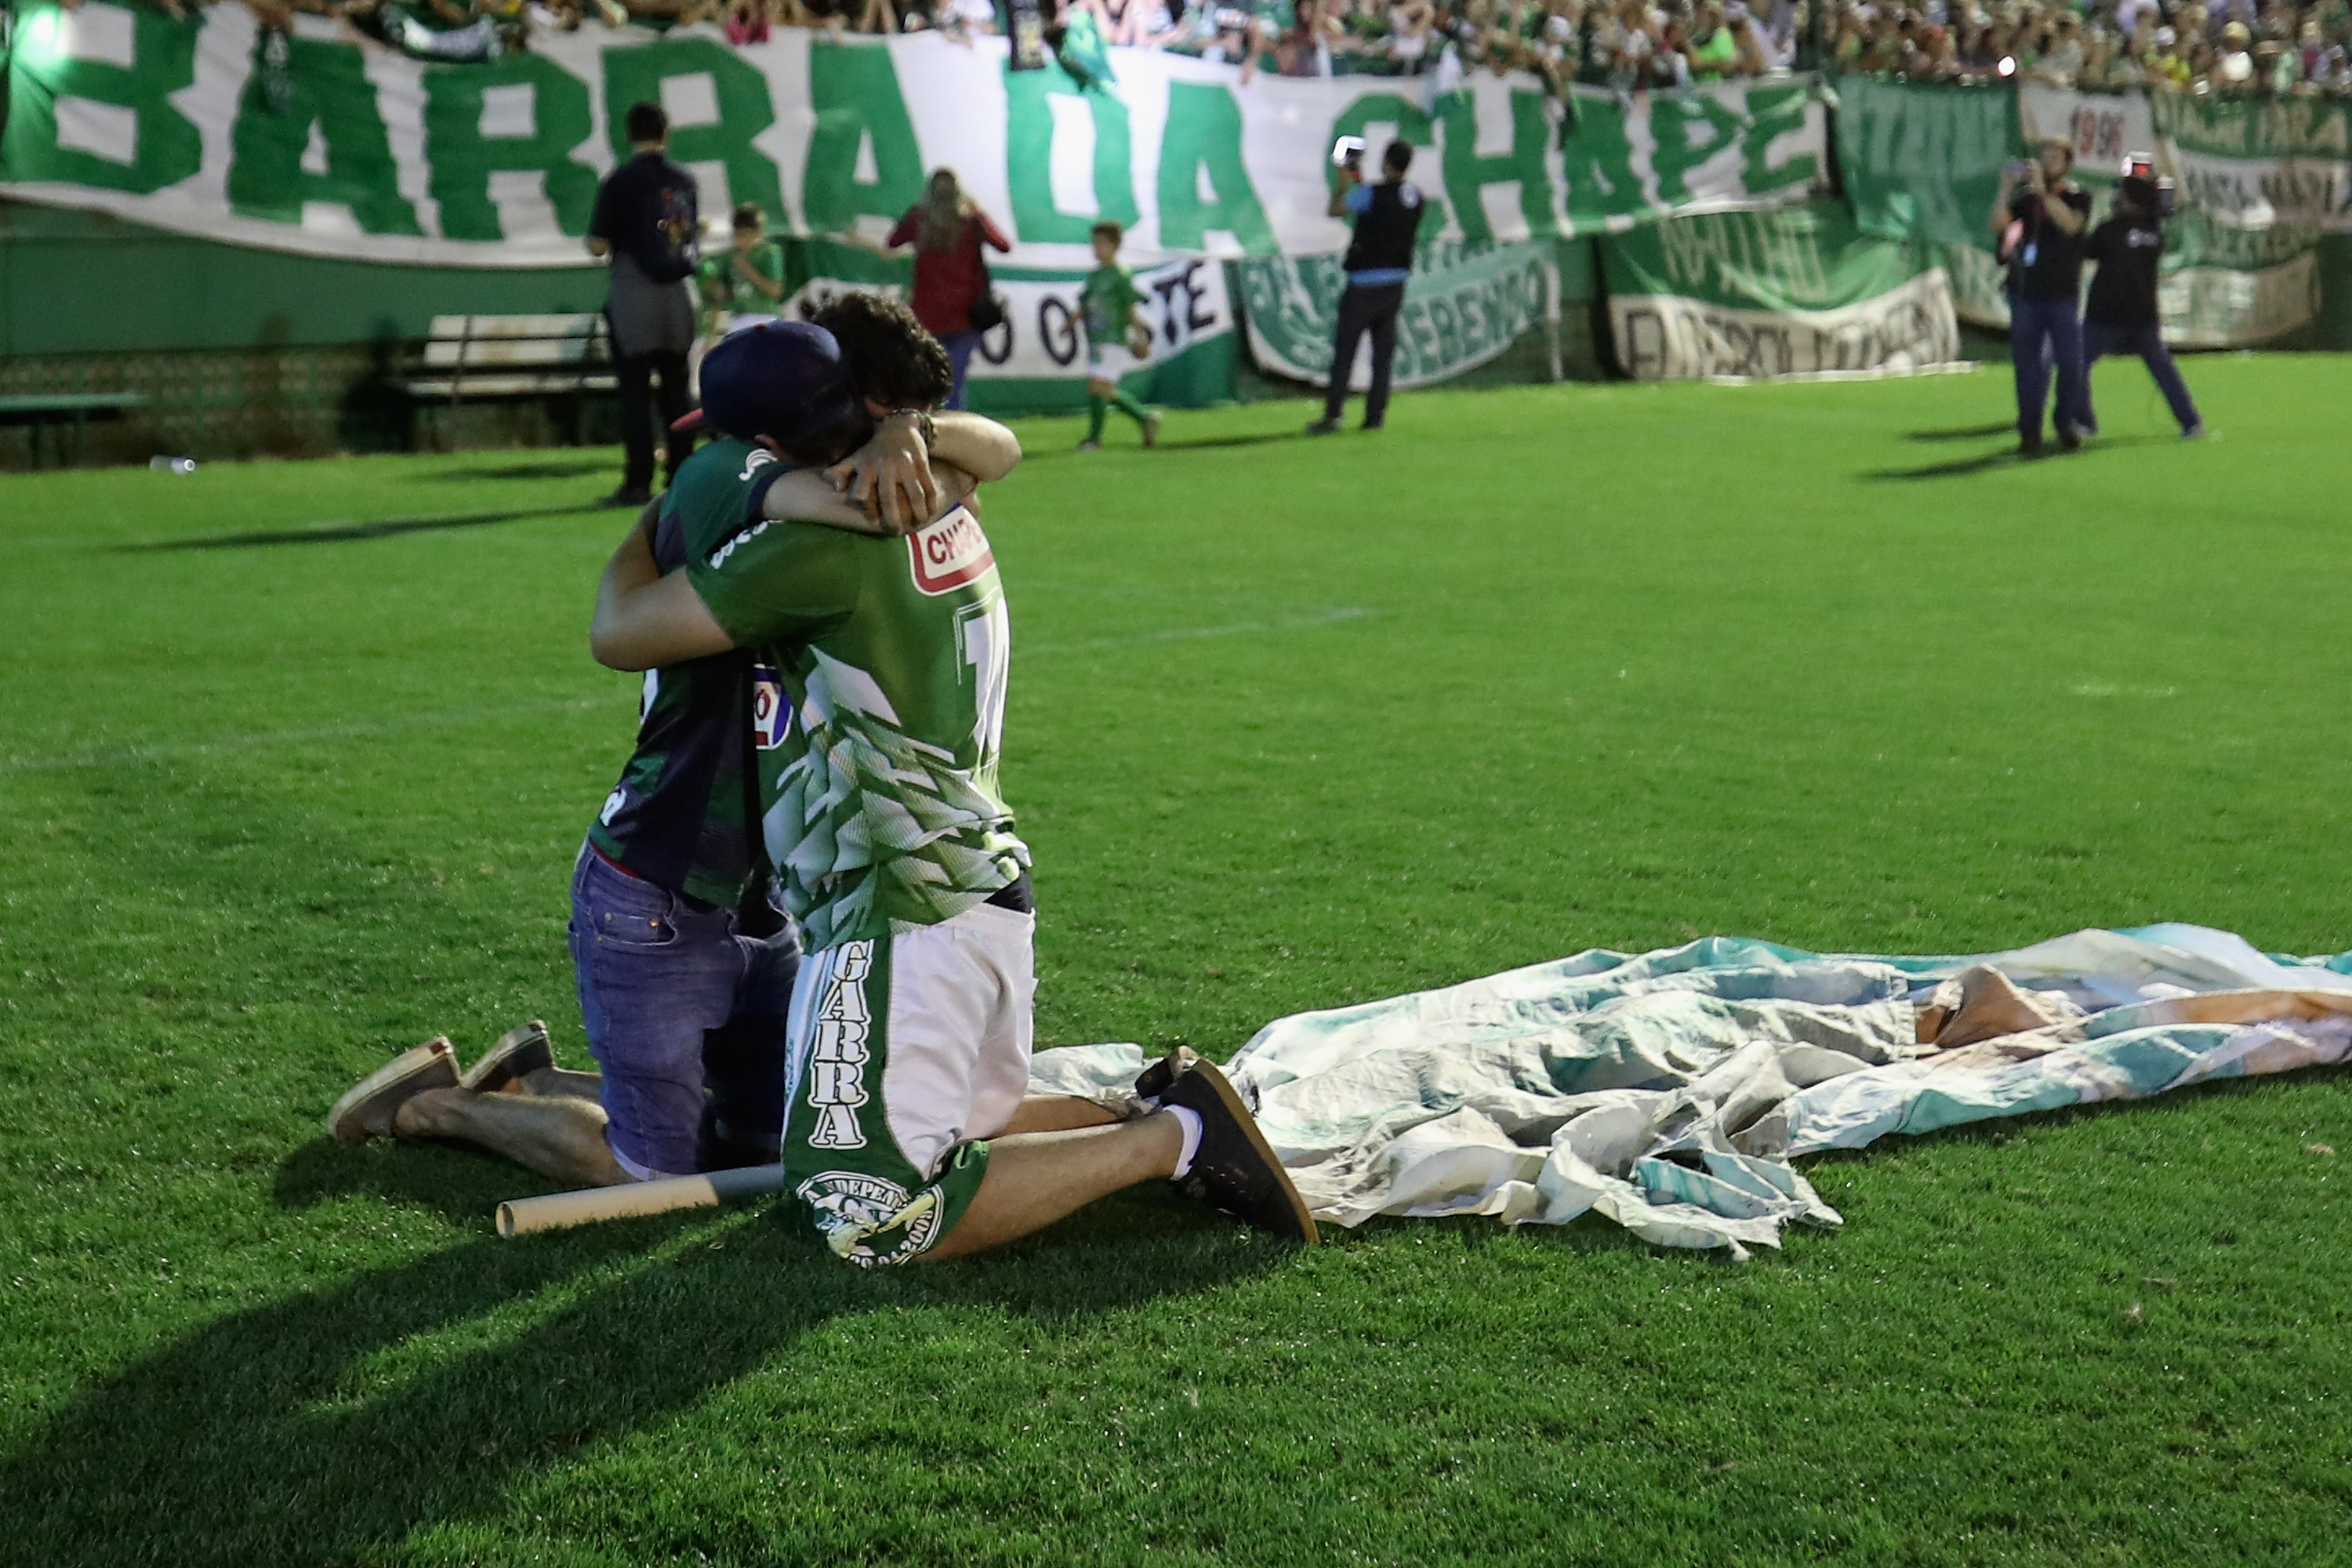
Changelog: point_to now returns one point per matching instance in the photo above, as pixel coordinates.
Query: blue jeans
(686, 1017)
(2045, 334)
(958, 346)
(2148, 344)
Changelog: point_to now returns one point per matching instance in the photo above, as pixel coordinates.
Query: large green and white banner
(335, 145)
(2259, 182)
(1464, 305)
(1036, 361)
(1759, 295)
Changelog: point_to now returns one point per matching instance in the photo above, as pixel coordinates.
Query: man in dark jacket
(648, 221)
(1379, 259)
(2121, 316)
(2039, 218)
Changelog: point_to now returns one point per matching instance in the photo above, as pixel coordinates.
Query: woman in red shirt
(947, 231)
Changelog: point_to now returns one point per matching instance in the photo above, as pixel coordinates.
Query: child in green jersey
(746, 281)
(1112, 309)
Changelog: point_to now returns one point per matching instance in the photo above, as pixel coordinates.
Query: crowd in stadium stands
(2266, 47)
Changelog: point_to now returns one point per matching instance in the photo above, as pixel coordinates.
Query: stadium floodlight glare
(37, 43)
(2008, 66)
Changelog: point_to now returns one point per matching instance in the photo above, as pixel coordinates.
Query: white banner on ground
(1671, 337)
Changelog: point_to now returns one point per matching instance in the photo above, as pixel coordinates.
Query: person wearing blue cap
(685, 963)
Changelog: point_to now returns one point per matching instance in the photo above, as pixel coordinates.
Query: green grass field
(295, 758)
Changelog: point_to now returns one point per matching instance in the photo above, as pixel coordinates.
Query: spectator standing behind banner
(648, 221)
(948, 229)
(2121, 315)
(2038, 218)
(1379, 259)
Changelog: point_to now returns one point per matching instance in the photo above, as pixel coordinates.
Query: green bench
(65, 411)
(513, 356)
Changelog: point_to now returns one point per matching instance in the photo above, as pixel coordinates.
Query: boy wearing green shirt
(1112, 309)
(744, 282)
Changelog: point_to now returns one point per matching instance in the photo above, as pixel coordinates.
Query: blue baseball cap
(779, 379)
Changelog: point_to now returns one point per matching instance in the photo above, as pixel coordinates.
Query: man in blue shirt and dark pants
(1379, 259)
(649, 222)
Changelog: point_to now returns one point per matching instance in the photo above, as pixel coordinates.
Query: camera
(1348, 151)
(2018, 168)
(2145, 189)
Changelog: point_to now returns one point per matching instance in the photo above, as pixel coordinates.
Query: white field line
(133, 755)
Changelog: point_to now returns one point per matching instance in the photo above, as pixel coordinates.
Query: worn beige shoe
(519, 1052)
(1154, 1080)
(367, 1111)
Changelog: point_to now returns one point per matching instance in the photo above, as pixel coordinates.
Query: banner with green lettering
(1799, 291)
(1464, 305)
(323, 142)
(1036, 360)
(2259, 183)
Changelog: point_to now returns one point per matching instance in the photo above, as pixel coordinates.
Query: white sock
(1190, 1120)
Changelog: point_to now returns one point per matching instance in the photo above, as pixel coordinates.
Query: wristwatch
(924, 424)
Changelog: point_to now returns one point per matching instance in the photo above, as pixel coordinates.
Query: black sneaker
(1235, 1169)
(2069, 438)
(1324, 428)
(2030, 446)
(627, 495)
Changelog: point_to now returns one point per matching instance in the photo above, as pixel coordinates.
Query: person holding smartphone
(2038, 219)
(1379, 259)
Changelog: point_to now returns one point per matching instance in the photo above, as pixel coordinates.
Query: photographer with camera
(1379, 259)
(2038, 218)
(2121, 315)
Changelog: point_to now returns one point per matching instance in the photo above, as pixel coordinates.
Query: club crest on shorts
(949, 552)
(838, 1053)
(854, 1208)
(772, 716)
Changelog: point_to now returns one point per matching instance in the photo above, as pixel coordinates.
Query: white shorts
(906, 1053)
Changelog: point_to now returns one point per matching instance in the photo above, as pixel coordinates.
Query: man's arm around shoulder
(644, 620)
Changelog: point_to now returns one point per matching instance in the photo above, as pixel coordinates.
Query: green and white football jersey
(878, 793)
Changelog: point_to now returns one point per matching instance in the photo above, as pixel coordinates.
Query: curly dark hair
(892, 359)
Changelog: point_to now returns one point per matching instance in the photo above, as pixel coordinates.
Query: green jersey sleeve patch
(778, 581)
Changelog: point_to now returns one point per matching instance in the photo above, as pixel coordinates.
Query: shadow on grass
(330, 1426)
(1203, 444)
(1952, 469)
(344, 532)
(1965, 433)
(561, 469)
(2005, 457)
(460, 1184)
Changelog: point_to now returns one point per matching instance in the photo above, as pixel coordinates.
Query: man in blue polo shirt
(1379, 259)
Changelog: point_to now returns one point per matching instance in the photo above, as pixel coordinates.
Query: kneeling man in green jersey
(909, 1133)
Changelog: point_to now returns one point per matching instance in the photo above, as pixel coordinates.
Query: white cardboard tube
(557, 1211)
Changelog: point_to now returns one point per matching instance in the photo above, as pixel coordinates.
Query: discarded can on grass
(172, 464)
